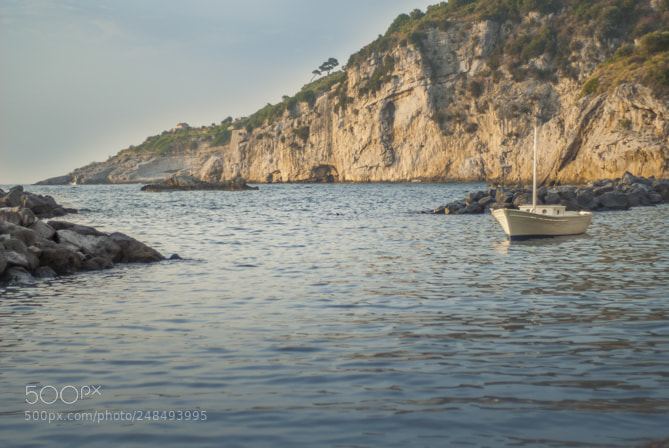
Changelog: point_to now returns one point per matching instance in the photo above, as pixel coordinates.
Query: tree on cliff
(328, 65)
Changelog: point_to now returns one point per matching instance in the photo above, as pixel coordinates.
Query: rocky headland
(185, 182)
(451, 95)
(33, 248)
(618, 194)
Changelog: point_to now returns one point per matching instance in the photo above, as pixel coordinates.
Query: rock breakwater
(32, 248)
(43, 206)
(618, 194)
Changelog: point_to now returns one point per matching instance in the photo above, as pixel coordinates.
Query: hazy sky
(82, 79)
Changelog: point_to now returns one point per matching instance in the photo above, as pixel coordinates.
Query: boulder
(28, 218)
(97, 264)
(503, 197)
(486, 201)
(630, 179)
(474, 197)
(13, 198)
(42, 230)
(585, 198)
(77, 228)
(17, 274)
(654, 198)
(567, 193)
(522, 199)
(61, 260)
(23, 234)
(605, 188)
(661, 187)
(473, 207)
(90, 245)
(552, 197)
(454, 208)
(25, 259)
(44, 272)
(614, 200)
(133, 251)
(10, 215)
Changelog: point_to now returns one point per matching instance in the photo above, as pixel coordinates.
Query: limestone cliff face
(439, 114)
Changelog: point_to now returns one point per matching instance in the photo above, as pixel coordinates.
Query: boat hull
(523, 224)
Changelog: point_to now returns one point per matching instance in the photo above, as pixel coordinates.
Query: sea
(339, 315)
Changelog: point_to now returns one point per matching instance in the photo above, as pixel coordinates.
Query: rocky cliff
(445, 98)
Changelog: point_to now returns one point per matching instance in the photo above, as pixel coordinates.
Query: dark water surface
(334, 315)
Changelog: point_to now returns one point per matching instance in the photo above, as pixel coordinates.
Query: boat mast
(534, 173)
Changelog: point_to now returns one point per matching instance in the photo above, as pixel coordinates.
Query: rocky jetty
(185, 182)
(619, 194)
(32, 248)
(42, 206)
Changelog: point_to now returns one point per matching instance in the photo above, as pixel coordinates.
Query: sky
(81, 80)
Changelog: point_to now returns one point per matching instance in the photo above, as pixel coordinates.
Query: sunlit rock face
(440, 114)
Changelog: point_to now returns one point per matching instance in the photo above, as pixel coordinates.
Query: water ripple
(334, 315)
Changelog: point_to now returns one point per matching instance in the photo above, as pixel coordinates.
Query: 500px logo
(66, 394)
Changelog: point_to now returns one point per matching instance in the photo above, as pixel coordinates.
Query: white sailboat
(541, 220)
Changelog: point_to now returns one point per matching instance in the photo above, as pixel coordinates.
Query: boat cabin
(549, 210)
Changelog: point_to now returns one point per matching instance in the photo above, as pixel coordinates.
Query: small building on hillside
(180, 126)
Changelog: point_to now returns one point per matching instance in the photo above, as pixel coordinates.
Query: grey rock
(61, 260)
(603, 189)
(474, 197)
(654, 198)
(28, 218)
(552, 197)
(454, 208)
(567, 192)
(21, 233)
(522, 199)
(98, 264)
(17, 274)
(10, 215)
(585, 198)
(661, 187)
(90, 245)
(42, 230)
(77, 228)
(614, 200)
(629, 179)
(473, 207)
(25, 259)
(134, 251)
(44, 272)
(503, 197)
(486, 201)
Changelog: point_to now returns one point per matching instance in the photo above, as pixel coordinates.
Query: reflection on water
(334, 315)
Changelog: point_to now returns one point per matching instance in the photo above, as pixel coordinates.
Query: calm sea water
(337, 316)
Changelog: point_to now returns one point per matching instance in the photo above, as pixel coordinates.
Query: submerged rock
(31, 248)
(185, 182)
(619, 194)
